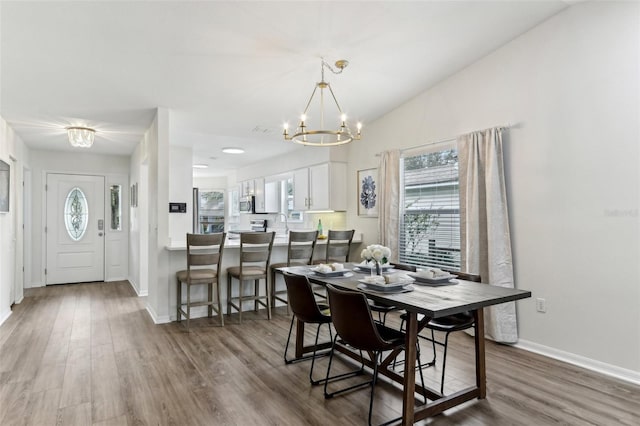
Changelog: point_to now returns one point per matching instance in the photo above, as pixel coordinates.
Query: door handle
(99, 234)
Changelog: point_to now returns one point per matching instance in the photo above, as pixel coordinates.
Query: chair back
(209, 250)
(339, 245)
(352, 319)
(301, 246)
(301, 299)
(255, 247)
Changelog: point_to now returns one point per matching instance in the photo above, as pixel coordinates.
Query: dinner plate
(332, 274)
(443, 280)
(335, 274)
(367, 268)
(386, 288)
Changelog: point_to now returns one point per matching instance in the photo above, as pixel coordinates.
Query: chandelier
(339, 135)
(81, 137)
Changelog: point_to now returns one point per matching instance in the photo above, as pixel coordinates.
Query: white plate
(385, 287)
(380, 288)
(439, 280)
(368, 268)
(345, 274)
(331, 274)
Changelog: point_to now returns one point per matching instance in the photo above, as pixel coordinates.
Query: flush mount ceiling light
(200, 166)
(81, 137)
(323, 136)
(231, 150)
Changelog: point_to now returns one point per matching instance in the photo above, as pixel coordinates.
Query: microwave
(248, 204)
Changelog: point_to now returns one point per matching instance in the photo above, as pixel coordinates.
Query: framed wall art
(368, 193)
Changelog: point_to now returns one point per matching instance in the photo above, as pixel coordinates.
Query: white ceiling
(230, 72)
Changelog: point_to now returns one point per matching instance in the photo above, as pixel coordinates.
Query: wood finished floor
(89, 354)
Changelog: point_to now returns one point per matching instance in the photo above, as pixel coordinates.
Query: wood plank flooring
(89, 354)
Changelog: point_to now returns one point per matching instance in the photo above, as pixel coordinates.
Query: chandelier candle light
(378, 254)
(322, 136)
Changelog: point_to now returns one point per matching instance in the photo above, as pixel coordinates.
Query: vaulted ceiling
(231, 72)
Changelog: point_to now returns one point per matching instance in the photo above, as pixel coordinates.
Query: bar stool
(209, 253)
(338, 246)
(299, 253)
(255, 255)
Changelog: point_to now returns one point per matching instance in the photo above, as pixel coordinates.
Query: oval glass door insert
(76, 213)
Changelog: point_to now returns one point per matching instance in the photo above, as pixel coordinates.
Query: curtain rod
(506, 126)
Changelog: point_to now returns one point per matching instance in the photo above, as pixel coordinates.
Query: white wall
(115, 168)
(14, 153)
(569, 87)
(180, 191)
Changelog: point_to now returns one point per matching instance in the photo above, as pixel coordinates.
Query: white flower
(376, 252)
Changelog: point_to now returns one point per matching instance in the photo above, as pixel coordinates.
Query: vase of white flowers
(376, 253)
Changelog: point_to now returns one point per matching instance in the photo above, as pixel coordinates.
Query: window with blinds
(430, 210)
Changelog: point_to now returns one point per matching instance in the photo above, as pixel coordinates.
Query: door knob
(99, 234)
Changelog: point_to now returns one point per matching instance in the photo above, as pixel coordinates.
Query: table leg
(408, 386)
(481, 372)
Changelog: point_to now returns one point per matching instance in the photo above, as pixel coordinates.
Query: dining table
(421, 302)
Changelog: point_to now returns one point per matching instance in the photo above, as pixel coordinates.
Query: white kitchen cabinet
(320, 187)
(247, 188)
(258, 192)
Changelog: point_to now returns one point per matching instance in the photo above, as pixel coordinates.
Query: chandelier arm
(334, 99)
(310, 99)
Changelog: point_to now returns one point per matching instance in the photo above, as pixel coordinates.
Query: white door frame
(43, 277)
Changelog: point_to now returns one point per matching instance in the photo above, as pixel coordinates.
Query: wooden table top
(432, 301)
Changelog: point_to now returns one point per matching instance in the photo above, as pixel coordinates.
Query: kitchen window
(430, 208)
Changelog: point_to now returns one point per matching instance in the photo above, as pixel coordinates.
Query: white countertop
(281, 240)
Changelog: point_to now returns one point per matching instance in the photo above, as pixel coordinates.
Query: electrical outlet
(541, 305)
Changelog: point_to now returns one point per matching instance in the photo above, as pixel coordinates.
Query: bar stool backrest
(255, 247)
(339, 245)
(208, 252)
(301, 246)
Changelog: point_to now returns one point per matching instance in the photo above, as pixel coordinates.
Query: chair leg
(179, 300)
(228, 294)
(328, 378)
(316, 355)
(444, 362)
(256, 293)
(272, 275)
(188, 306)
(373, 383)
(210, 299)
(267, 291)
(220, 312)
(240, 297)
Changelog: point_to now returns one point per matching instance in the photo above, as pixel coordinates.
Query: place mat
(404, 289)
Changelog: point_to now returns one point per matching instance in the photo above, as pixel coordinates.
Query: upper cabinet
(247, 188)
(258, 192)
(320, 187)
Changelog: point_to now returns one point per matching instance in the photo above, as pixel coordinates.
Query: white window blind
(430, 209)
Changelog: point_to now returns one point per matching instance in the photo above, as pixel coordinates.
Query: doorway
(75, 228)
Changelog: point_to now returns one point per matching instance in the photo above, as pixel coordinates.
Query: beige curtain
(389, 200)
(485, 239)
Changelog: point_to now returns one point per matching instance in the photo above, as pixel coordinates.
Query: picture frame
(5, 176)
(367, 195)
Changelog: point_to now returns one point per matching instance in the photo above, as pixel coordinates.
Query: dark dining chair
(299, 253)
(306, 310)
(447, 325)
(203, 268)
(355, 327)
(255, 255)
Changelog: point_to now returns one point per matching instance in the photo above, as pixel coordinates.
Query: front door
(75, 228)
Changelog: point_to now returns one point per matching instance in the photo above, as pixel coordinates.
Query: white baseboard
(112, 279)
(17, 302)
(588, 363)
(134, 286)
(157, 319)
(5, 316)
